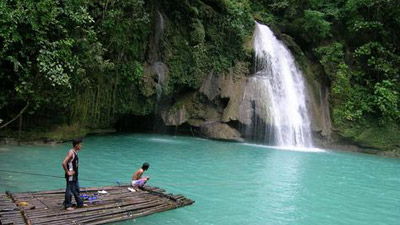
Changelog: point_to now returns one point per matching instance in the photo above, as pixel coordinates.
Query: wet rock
(210, 87)
(175, 116)
(318, 108)
(154, 78)
(148, 81)
(195, 122)
(238, 109)
(220, 131)
(290, 43)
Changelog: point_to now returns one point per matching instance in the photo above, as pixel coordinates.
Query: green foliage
(56, 62)
(203, 36)
(198, 33)
(42, 44)
(112, 89)
(386, 98)
(377, 61)
(357, 43)
(315, 25)
(80, 59)
(374, 135)
(84, 59)
(351, 101)
(330, 57)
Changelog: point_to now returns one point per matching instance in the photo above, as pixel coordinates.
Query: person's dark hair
(145, 166)
(76, 142)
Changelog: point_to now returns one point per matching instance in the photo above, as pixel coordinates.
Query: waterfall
(283, 85)
(159, 30)
(158, 65)
(160, 68)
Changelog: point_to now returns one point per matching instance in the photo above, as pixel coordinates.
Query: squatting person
(137, 180)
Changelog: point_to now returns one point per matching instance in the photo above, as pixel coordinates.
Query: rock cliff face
(192, 95)
(224, 106)
(220, 131)
(232, 105)
(216, 103)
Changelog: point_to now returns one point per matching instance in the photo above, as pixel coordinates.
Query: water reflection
(284, 171)
(288, 148)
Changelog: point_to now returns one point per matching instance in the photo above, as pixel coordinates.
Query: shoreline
(332, 146)
(49, 141)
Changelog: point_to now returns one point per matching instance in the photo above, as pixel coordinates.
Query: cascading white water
(283, 83)
(158, 65)
(159, 29)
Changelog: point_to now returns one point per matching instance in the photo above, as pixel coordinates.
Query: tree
(43, 45)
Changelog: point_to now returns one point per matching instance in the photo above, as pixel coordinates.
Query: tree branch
(19, 114)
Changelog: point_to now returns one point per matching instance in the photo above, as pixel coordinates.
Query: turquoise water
(232, 183)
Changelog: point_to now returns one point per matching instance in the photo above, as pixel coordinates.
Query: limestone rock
(148, 81)
(190, 108)
(240, 70)
(195, 122)
(318, 107)
(154, 79)
(175, 117)
(247, 98)
(237, 108)
(220, 131)
(212, 114)
(227, 86)
(210, 87)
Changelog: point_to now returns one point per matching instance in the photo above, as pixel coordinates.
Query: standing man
(137, 180)
(70, 166)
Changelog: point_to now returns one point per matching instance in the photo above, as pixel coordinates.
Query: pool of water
(232, 183)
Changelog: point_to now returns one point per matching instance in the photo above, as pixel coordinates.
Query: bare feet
(69, 208)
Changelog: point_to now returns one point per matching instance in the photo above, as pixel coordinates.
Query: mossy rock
(194, 106)
(240, 70)
(148, 81)
(381, 137)
(248, 44)
(198, 34)
(291, 44)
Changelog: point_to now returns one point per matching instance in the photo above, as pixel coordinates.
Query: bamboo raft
(118, 204)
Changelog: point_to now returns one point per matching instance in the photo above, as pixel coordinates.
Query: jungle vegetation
(80, 63)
